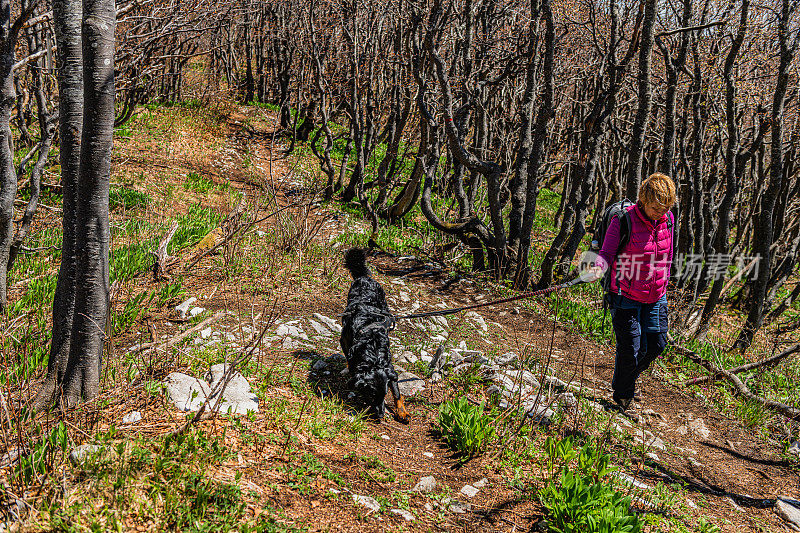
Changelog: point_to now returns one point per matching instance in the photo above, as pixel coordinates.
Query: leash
(444, 312)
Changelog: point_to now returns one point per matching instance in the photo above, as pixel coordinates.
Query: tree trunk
(645, 96)
(67, 22)
(81, 304)
(8, 175)
(764, 221)
(722, 233)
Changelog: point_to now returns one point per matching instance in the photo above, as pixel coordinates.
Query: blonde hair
(658, 189)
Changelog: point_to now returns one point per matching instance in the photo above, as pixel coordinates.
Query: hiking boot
(623, 403)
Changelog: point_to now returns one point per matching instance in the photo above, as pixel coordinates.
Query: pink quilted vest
(641, 270)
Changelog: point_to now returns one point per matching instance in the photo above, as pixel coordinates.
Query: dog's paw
(400, 411)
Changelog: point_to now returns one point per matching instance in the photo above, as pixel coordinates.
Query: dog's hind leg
(399, 403)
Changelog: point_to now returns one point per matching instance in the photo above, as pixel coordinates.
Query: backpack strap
(624, 231)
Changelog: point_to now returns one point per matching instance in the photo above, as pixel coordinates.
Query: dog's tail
(355, 259)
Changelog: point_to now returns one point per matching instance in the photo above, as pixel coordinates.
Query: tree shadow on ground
(734, 453)
(700, 485)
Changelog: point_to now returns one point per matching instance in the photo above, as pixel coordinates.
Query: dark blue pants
(641, 332)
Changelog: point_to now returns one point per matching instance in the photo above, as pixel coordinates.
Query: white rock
(567, 400)
(477, 319)
(406, 358)
(794, 448)
(508, 359)
(735, 505)
(474, 356)
(206, 333)
(290, 330)
(12, 457)
(652, 455)
(404, 296)
(554, 382)
(633, 482)
(187, 393)
(367, 501)
(319, 328)
(469, 491)
(539, 413)
(80, 453)
(183, 308)
(480, 484)
(386, 437)
(699, 429)
(196, 311)
(789, 510)
(405, 514)
(425, 484)
(290, 344)
(440, 321)
(429, 455)
(650, 440)
(237, 398)
(459, 508)
(132, 417)
(329, 323)
(521, 376)
(409, 384)
(690, 503)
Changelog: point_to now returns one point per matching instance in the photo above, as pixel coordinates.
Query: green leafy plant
(133, 310)
(130, 260)
(704, 526)
(43, 454)
(582, 498)
(466, 428)
(171, 291)
(198, 183)
(127, 198)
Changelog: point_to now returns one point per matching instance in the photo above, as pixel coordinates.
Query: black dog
(366, 323)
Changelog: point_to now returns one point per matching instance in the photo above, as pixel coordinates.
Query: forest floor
(306, 461)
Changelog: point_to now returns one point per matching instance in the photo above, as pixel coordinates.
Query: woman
(639, 276)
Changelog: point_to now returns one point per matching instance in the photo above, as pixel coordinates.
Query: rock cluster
(188, 393)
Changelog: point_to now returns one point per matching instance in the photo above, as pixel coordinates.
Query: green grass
(127, 198)
(194, 226)
(168, 486)
(198, 183)
(134, 309)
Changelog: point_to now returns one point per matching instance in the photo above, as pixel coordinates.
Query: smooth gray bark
(67, 22)
(93, 236)
(83, 289)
